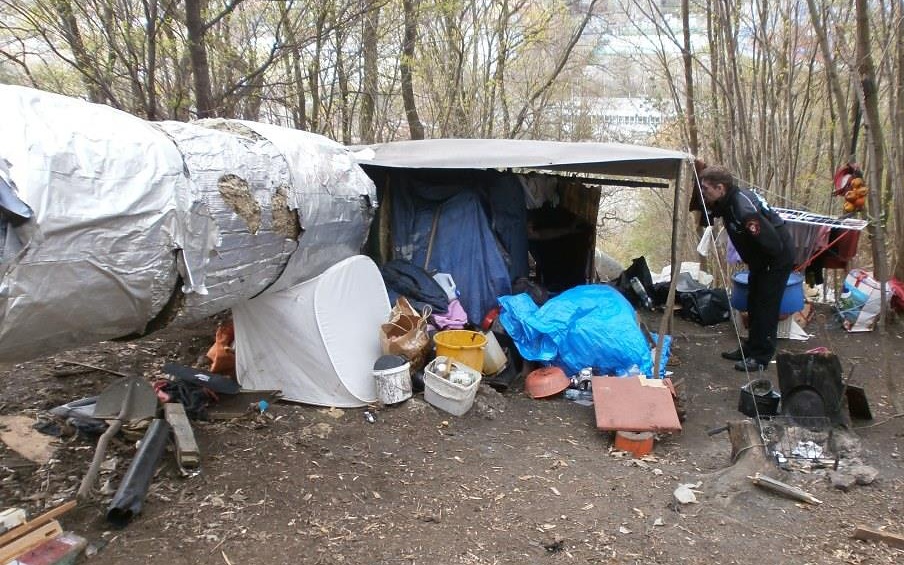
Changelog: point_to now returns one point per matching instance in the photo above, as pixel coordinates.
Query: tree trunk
(345, 118)
(876, 151)
(409, 42)
(838, 106)
(197, 50)
(369, 72)
(150, 14)
(689, 79)
(73, 36)
(896, 149)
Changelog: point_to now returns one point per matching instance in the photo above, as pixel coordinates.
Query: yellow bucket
(464, 346)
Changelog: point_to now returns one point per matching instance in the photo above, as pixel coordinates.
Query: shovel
(128, 400)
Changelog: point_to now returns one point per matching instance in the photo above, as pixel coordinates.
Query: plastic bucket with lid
(464, 346)
(393, 379)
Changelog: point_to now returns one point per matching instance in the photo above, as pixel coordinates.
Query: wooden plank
(187, 452)
(39, 521)
(869, 534)
(30, 540)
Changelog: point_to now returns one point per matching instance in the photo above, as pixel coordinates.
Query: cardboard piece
(634, 404)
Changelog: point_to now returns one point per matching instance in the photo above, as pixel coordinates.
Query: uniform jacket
(756, 230)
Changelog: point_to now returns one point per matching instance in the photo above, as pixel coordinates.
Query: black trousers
(764, 300)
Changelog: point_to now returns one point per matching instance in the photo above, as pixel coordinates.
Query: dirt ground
(513, 481)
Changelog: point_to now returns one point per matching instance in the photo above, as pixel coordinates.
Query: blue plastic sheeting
(586, 326)
(464, 244)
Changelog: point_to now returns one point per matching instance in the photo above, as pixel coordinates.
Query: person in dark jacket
(763, 241)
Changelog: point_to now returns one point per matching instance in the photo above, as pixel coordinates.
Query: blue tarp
(586, 326)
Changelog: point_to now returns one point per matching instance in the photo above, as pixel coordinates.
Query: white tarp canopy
(594, 158)
(316, 341)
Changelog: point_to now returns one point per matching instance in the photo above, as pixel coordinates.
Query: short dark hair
(715, 174)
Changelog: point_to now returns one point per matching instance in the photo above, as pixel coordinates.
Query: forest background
(783, 92)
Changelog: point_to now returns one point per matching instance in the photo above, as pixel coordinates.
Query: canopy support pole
(683, 186)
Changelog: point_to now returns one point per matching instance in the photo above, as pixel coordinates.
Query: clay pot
(545, 382)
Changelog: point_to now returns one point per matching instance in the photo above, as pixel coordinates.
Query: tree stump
(748, 457)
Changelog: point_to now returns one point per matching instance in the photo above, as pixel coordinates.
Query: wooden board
(23, 529)
(187, 452)
(30, 540)
(634, 404)
(864, 533)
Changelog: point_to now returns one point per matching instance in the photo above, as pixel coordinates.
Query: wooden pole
(683, 184)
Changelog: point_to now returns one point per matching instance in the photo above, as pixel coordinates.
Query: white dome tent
(315, 341)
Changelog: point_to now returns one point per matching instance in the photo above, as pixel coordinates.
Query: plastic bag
(705, 306)
(222, 352)
(405, 333)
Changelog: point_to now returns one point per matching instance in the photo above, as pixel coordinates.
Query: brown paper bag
(405, 333)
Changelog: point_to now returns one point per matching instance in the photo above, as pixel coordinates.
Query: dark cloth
(414, 283)
(763, 241)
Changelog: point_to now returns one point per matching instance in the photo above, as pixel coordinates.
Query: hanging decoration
(849, 184)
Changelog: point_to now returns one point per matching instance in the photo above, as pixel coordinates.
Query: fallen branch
(111, 371)
(885, 421)
(785, 489)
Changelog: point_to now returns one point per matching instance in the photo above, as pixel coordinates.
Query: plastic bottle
(577, 394)
(641, 292)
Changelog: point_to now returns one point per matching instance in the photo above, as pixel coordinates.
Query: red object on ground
(634, 404)
(545, 382)
(637, 444)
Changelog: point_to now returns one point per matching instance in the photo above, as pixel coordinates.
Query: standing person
(764, 243)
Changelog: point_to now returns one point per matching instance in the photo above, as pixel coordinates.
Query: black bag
(705, 306)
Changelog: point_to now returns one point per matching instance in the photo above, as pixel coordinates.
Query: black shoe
(736, 355)
(750, 365)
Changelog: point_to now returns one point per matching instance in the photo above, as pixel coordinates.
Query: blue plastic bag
(586, 326)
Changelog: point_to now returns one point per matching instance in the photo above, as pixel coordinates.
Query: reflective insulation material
(236, 174)
(96, 257)
(334, 198)
(113, 226)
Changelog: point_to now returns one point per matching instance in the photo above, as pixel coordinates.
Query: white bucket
(494, 358)
(393, 385)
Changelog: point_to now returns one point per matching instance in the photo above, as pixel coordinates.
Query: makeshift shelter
(478, 208)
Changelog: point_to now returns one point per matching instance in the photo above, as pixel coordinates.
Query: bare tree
(409, 45)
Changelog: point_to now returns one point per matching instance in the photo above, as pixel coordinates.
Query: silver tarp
(112, 226)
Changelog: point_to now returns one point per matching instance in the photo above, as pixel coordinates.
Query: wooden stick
(868, 534)
(44, 518)
(111, 371)
(783, 488)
